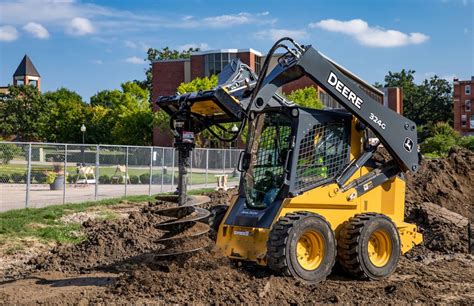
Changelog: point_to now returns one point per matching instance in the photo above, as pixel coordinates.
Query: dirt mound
(447, 182)
(221, 282)
(112, 244)
(443, 230)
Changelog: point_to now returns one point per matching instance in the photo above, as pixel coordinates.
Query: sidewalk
(13, 196)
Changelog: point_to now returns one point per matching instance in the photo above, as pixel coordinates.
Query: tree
(67, 114)
(429, 102)
(204, 83)
(306, 97)
(23, 113)
(121, 116)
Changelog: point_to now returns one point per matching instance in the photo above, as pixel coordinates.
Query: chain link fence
(41, 174)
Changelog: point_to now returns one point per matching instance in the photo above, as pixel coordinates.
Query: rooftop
(26, 67)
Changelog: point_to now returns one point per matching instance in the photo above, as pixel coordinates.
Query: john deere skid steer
(311, 192)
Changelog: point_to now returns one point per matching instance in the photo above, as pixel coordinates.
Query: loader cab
(289, 151)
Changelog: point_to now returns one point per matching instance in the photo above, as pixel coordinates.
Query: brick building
(25, 74)
(169, 74)
(463, 114)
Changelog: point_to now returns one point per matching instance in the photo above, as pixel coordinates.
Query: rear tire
(302, 245)
(369, 246)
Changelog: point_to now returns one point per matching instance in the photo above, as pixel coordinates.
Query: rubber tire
(282, 242)
(217, 215)
(352, 252)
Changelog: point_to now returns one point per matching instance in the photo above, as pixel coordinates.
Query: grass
(45, 225)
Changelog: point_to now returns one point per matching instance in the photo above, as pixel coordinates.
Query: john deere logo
(408, 144)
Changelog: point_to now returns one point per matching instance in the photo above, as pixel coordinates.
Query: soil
(118, 262)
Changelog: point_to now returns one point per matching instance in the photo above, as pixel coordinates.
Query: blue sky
(88, 46)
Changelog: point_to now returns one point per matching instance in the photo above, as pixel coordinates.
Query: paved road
(13, 196)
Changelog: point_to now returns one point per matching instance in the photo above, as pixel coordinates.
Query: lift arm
(396, 133)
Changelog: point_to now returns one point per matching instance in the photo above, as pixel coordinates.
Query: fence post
(223, 163)
(191, 176)
(126, 170)
(28, 177)
(65, 173)
(97, 173)
(151, 171)
(207, 165)
(172, 171)
(162, 169)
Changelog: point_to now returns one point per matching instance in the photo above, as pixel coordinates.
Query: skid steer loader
(311, 192)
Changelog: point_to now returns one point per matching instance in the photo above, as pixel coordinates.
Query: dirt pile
(447, 182)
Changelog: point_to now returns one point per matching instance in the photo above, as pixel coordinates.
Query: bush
(72, 178)
(439, 144)
(8, 152)
(467, 142)
(4, 178)
(145, 178)
(443, 128)
(18, 177)
(39, 176)
(134, 179)
(104, 179)
(90, 176)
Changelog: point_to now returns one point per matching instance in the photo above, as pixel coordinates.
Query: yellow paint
(336, 207)
(379, 248)
(207, 108)
(310, 250)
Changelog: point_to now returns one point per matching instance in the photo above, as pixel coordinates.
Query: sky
(88, 46)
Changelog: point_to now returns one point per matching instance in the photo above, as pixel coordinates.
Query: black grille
(324, 151)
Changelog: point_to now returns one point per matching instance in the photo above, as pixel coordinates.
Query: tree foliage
(24, 113)
(306, 97)
(197, 84)
(67, 114)
(429, 102)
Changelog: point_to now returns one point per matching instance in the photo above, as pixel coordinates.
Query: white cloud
(136, 45)
(97, 62)
(370, 36)
(80, 26)
(135, 60)
(275, 34)
(8, 33)
(201, 46)
(37, 30)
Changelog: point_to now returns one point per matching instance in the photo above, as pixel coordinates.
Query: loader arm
(396, 133)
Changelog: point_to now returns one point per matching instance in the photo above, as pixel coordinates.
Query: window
(467, 89)
(215, 62)
(467, 105)
(258, 63)
(472, 122)
(463, 120)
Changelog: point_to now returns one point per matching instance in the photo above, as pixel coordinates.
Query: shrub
(4, 178)
(72, 178)
(104, 179)
(443, 128)
(8, 152)
(467, 142)
(134, 179)
(90, 176)
(440, 144)
(39, 176)
(145, 178)
(50, 177)
(18, 177)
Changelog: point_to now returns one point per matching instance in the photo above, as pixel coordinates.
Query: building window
(467, 105)
(258, 64)
(472, 122)
(463, 120)
(215, 62)
(467, 89)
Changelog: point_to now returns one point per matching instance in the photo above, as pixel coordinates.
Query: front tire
(369, 246)
(302, 245)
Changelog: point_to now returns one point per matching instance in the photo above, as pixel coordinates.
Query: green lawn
(45, 225)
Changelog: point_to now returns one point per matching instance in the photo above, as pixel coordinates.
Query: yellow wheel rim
(379, 248)
(310, 250)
